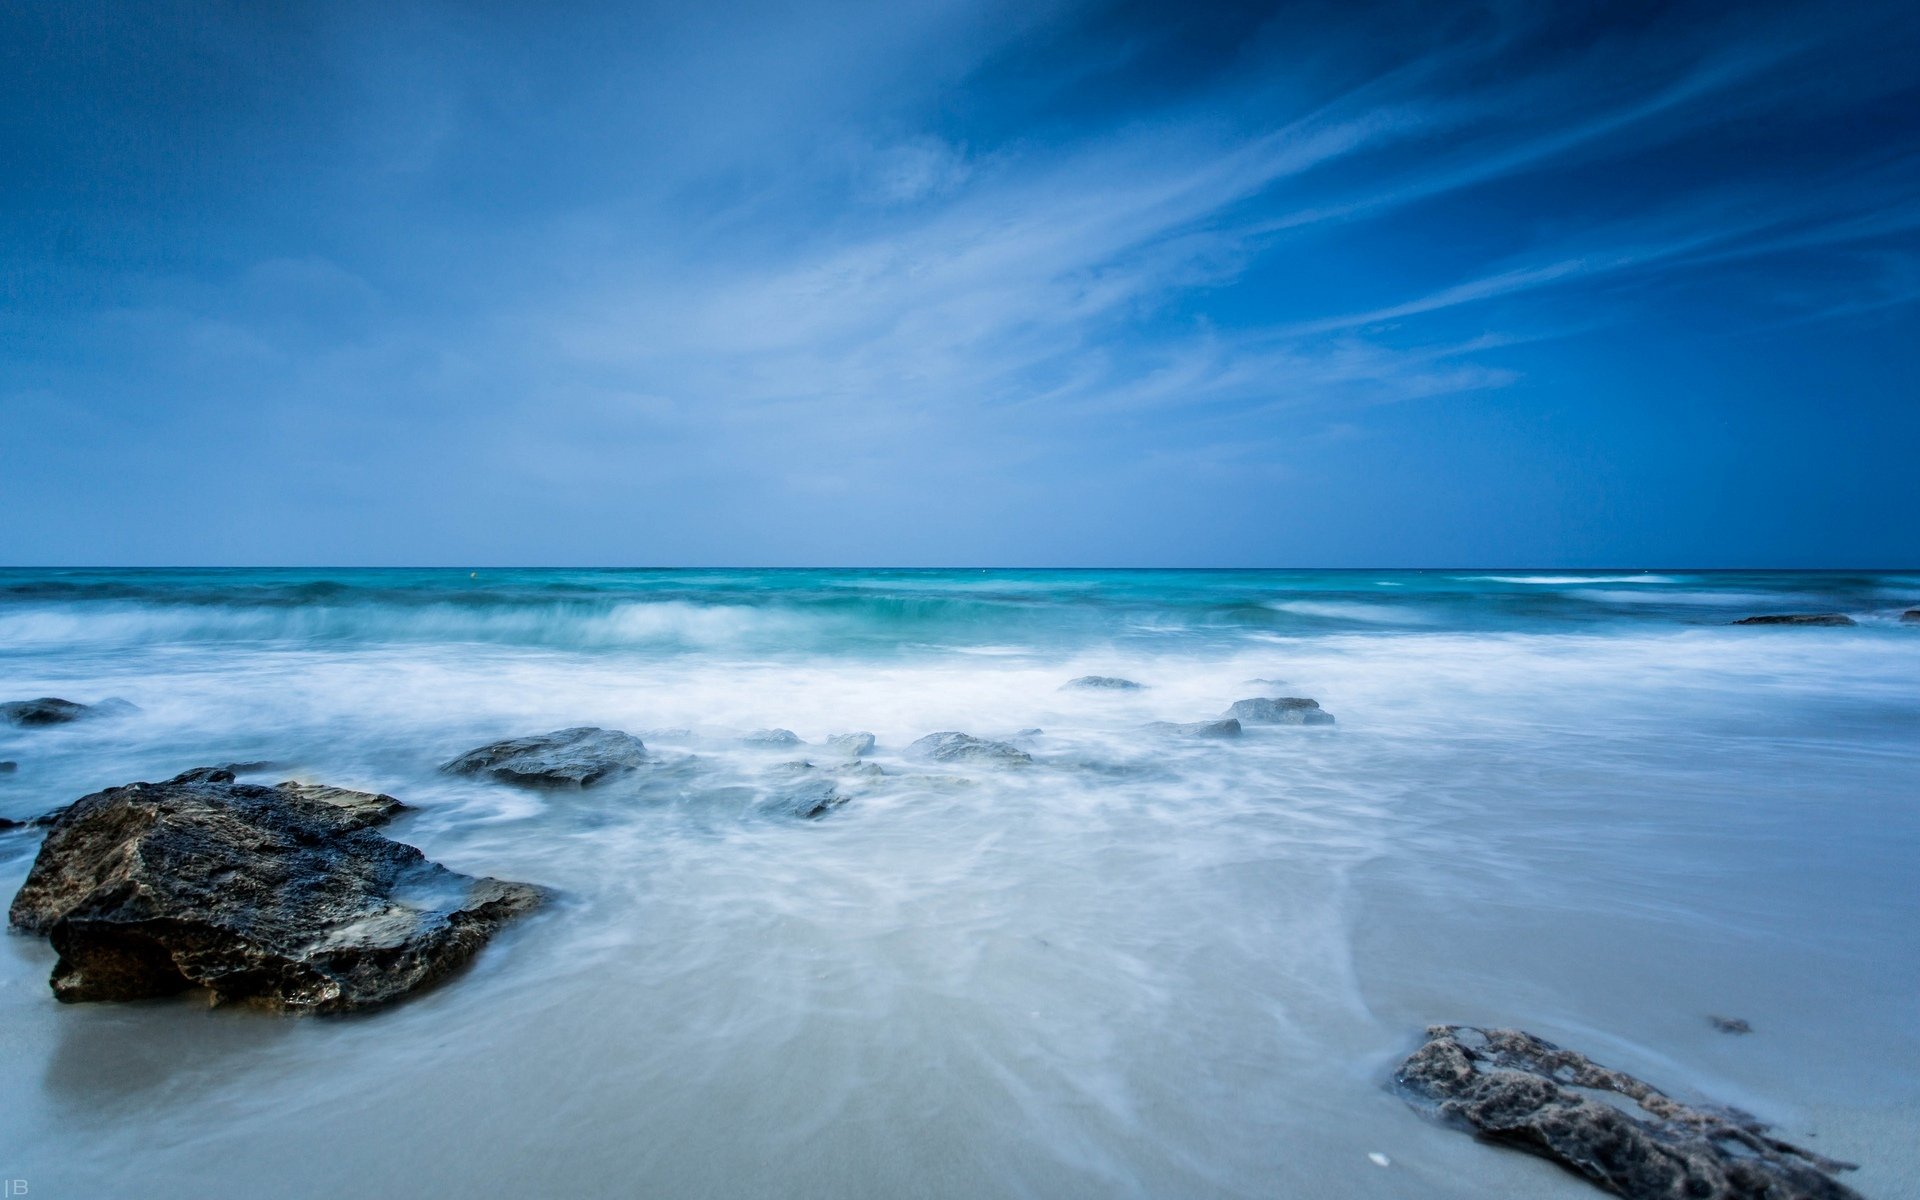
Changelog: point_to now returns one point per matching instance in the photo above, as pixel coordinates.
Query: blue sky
(960, 283)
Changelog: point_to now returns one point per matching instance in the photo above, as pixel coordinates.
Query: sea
(1584, 803)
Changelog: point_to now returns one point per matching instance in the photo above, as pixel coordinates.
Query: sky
(930, 282)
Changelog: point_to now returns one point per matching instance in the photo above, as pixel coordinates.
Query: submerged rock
(267, 896)
(1730, 1024)
(1280, 710)
(1511, 1087)
(1226, 727)
(1111, 683)
(1797, 619)
(808, 793)
(1912, 614)
(950, 747)
(51, 710)
(9, 767)
(852, 745)
(772, 737)
(578, 757)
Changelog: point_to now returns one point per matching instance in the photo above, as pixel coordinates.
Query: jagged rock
(852, 745)
(960, 747)
(264, 896)
(578, 757)
(1510, 1087)
(1797, 619)
(51, 710)
(772, 738)
(1225, 728)
(1111, 683)
(1279, 710)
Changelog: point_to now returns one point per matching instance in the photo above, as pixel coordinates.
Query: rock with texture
(1510, 1087)
(578, 757)
(1226, 728)
(774, 739)
(1797, 619)
(272, 897)
(1279, 710)
(950, 747)
(51, 710)
(1106, 683)
(852, 745)
(364, 809)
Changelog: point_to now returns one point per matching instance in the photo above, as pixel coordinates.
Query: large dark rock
(274, 897)
(1912, 615)
(1110, 683)
(1620, 1133)
(1797, 619)
(578, 757)
(9, 767)
(1226, 728)
(1279, 710)
(51, 710)
(952, 747)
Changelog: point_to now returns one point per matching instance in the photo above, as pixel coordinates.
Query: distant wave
(1557, 580)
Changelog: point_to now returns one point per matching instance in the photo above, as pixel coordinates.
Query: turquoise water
(1577, 801)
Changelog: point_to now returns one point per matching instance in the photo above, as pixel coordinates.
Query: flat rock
(366, 809)
(951, 747)
(578, 757)
(1797, 619)
(1227, 727)
(1279, 710)
(264, 896)
(1513, 1088)
(51, 710)
(851, 745)
(775, 738)
(1109, 683)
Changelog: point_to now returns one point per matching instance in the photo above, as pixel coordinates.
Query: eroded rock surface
(1279, 710)
(365, 809)
(950, 746)
(1510, 1087)
(275, 897)
(1797, 619)
(578, 757)
(1110, 683)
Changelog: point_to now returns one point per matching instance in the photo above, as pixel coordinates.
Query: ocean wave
(1566, 580)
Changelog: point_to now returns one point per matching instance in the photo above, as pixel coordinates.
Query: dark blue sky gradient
(960, 283)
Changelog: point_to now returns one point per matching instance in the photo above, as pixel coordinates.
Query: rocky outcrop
(1109, 683)
(772, 739)
(282, 898)
(578, 757)
(1279, 710)
(1511, 1087)
(51, 710)
(951, 747)
(1225, 728)
(852, 745)
(1797, 619)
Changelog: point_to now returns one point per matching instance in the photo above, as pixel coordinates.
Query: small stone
(851, 745)
(1107, 683)
(1279, 710)
(961, 747)
(1730, 1024)
(772, 738)
(577, 757)
(1911, 615)
(1225, 728)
